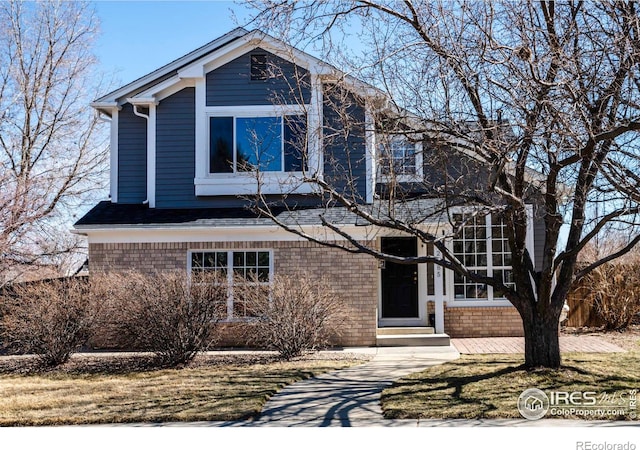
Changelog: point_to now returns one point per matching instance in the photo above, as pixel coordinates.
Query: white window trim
(239, 183)
(418, 176)
(230, 318)
(490, 301)
(252, 114)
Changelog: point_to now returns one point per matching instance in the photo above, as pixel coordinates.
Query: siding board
(132, 156)
(175, 150)
(231, 84)
(344, 144)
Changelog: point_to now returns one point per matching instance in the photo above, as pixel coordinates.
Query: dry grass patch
(488, 386)
(211, 389)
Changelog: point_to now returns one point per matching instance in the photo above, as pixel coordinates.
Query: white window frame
(401, 178)
(271, 182)
(230, 317)
(490, 301)
(250, 115)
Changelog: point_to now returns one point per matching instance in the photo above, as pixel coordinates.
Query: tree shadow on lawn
(441, 381)
(489, 385)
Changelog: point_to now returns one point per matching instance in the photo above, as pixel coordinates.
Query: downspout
(146, 117)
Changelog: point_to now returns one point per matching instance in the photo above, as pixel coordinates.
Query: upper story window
(399, 158)
(264, 143)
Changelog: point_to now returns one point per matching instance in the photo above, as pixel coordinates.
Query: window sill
(460, 303)
(247, 184)
(399, 179)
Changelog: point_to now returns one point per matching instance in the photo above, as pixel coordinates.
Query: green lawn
(488, 386)
(205, 392)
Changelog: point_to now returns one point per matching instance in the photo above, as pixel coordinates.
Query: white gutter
(151, 144)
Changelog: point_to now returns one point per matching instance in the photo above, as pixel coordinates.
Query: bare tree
(51, 153)
(516, 103)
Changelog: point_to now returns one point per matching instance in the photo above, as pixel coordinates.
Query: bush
(615, 292)
(166, 313)
(297, 315)
(51, 319)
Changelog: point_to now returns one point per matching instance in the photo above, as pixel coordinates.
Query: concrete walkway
(349, 396)
(585, 344)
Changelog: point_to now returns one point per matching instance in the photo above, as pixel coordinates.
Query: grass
(219, 391)
(488, 386)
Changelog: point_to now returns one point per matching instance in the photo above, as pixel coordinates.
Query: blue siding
(344, 144)
(176, 163)
(231, 84)
(132, 156)
(175, 149)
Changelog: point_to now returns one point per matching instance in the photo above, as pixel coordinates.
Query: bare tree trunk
(541, 340)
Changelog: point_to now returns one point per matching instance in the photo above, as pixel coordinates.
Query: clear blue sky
(137, 37)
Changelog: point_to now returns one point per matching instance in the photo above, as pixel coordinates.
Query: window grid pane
(501, 253)
(250, 268)
(398, 156)
(470, 247)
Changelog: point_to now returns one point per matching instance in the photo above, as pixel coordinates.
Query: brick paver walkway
(588, 344)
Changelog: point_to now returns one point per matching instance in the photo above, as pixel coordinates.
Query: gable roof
(192, 64)
(169, 69)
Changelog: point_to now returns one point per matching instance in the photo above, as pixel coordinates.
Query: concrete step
(389, 331)
(413, 340)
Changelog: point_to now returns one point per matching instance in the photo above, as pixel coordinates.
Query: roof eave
(145, 80)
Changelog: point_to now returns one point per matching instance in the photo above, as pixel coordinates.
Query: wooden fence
(581, 310)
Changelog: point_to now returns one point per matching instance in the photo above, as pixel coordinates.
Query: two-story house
(183, 169)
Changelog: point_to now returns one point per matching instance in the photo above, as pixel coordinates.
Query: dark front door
(400, 281)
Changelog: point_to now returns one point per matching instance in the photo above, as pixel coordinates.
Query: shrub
(615, 292)
(166, 313)
(297, 315)
(51, 319)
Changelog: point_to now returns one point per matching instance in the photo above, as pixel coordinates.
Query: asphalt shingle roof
(115, 215)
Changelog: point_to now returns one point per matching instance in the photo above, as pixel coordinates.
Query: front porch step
(392, 331)
(413, 340)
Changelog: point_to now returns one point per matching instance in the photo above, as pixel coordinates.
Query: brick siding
(353, 276)
(484, 321)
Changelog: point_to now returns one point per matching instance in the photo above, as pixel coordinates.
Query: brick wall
(353, 276)
(489, 321)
